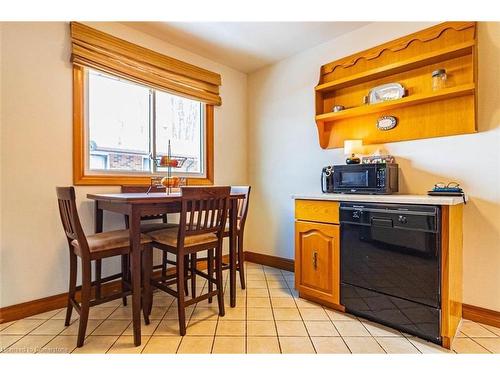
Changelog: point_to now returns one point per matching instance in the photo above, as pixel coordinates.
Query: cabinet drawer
(320, 211)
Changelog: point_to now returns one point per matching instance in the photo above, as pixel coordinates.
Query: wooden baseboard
(481, 315)
(269, 260)
(38, 306)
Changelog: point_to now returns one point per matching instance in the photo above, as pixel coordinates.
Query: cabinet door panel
(317, 260)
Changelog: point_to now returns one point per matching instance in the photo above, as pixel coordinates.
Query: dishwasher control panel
(415, 217)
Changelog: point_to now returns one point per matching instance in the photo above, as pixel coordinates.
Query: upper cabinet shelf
(410, 60)
(418, 61)
(447, 93)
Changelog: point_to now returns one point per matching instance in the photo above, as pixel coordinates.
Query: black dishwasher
(390, 265)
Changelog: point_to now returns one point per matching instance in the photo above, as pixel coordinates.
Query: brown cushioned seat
(151, 227)
(109, 241)
(169, 237)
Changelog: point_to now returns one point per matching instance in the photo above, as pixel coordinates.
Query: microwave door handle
(323, 178)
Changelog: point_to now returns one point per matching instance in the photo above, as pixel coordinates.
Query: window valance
(96, 49)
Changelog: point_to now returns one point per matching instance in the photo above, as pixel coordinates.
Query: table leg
(233, 214)
(135, 247)
(98, 218)
(98, 263)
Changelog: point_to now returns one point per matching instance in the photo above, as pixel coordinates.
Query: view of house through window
(128, 124)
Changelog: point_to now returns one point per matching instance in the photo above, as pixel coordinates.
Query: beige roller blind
(95, 49)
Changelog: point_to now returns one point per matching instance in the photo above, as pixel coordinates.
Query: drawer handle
(315, 259)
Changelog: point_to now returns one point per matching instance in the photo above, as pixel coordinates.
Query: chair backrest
(204, 210)
(242, 204)
(69, 217)
(144, 189)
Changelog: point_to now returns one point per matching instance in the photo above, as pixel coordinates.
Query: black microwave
(381, 178)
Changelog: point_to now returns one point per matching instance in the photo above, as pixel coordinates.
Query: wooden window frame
(83, 177)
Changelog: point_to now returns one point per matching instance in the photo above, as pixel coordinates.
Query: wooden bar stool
(94, 248)
(145, 228)
(240, 228)
(150, 227)
(201, 226)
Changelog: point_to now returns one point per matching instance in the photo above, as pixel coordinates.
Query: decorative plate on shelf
(386, 123)
(382, 93)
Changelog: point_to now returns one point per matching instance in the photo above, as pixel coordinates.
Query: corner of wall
(1, 167)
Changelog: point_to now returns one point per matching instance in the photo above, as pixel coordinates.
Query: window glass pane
(118, 124)
(180, 120)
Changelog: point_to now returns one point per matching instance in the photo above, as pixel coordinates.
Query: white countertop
(393, 198)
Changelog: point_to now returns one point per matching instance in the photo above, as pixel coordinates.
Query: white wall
(285, 157)
(36, 150)
(1, 29)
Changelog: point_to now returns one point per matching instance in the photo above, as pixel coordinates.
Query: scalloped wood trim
(423, 36)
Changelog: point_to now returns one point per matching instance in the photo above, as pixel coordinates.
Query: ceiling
(245, 46)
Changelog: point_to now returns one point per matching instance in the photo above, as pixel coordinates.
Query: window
(127, 128)
(129, 103)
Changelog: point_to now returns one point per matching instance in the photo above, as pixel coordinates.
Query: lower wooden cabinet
(317, 261)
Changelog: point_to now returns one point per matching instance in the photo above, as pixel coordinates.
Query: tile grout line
(246, 310)
(374, 337)
(482, 346)
(378, 342)
(59, 334)
(106, 319)
(304, 324)
(7, 347)
(336, 329)
(218, 316)
(472, 338)
(483, 325)
(187, 324)
(87, 335)
(100, 324)
(340, 335)
(22, 335)
(418, 350)
(272, 312)
(161, 319)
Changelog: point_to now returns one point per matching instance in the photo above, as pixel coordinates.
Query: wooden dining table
(136, 205)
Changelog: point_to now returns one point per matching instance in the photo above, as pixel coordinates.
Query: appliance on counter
(327, 179)
(390, 265)
(379, 178)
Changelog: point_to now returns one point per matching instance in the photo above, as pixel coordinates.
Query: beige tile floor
(269, 318)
